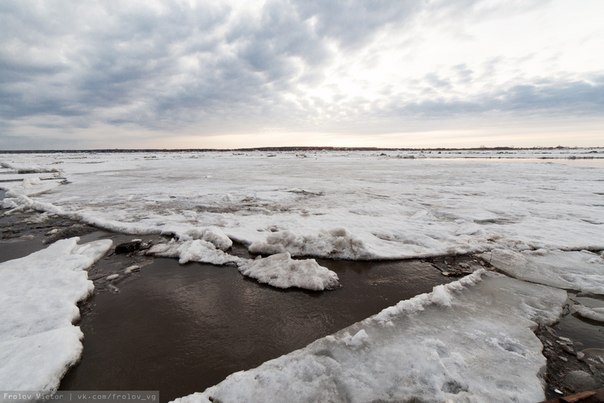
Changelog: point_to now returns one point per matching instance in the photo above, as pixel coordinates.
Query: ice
(571, 270)
(475, 346)
(351, 205)
(278, 270)
(193, 251)
(595, 314)
(336, 243)
(32, 186)
(212, 234)
(384, 207)
(282, 271)
(38, 295)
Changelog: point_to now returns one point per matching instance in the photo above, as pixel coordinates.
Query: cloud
(169, 67)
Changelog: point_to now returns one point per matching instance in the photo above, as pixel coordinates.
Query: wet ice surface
(182, 328)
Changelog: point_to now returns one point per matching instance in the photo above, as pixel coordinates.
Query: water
(589, 333)
(179, 329)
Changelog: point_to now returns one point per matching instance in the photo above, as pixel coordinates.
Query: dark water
(589, 333)
(180, 329)
(17, 248)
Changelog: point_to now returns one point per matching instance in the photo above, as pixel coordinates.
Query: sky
(229, 74)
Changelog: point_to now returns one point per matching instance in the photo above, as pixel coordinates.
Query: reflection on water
(181, 329)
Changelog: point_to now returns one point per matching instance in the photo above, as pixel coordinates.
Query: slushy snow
(38, 295)
(475, 345)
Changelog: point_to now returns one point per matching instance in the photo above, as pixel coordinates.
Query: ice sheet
(572, 270)
(470, 340)
(388, 207)
(38, 296)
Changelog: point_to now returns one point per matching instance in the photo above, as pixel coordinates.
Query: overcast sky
(108, 74)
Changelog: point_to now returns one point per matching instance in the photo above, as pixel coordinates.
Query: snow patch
(38, 295)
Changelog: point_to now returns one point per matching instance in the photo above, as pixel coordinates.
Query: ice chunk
(38, 296)
(193, 251)
(212, 234)
(130, 269)
(335, 243)
(582, 271)
(282, 271)
(478, 348)
(595, 314)
(358, 340)
(278, 270)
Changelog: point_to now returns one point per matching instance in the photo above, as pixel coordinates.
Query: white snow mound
(336, 243)
(479, 347)
(193, 251)
(282, 271)
(38, 296)
(214, 235)
(582, 271)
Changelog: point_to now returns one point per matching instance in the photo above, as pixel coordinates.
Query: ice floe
(278, 270)
(38, 295)
(595, 314)
(336, 243)
(476, 345)
(282, 271)
(572, 270)
(390, 207)
(196, 250)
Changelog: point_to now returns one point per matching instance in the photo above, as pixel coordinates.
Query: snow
(534, 214)
(278, 270)
(38, 295)
(571, 270)
(356, 205)
(479, 347)
(193, 251)
(131, 269)
(336, 243)
(282, 271)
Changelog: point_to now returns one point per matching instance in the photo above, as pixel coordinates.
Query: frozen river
(537, 216)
